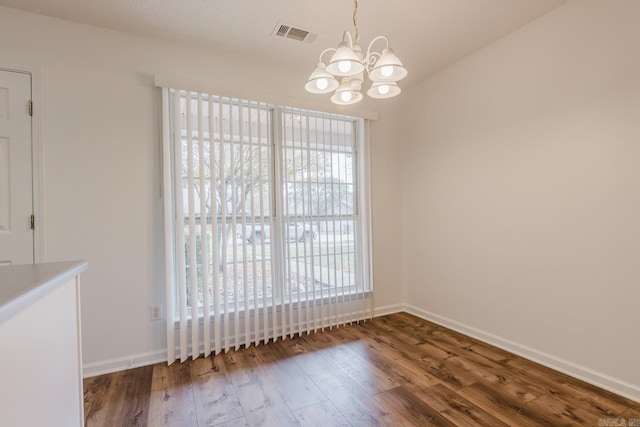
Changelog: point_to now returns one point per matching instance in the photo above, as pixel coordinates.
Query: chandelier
(344, 74)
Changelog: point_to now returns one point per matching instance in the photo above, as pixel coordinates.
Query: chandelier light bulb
(322, 83)
(386, 71)
(388, 68)
(344, 66)
(347, 93)
(345, 62)
(383, 90)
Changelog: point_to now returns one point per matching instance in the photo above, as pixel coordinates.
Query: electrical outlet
(156, 312)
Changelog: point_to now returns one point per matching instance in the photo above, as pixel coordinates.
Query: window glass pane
(318, 183)
(321, 258)
(318, 172)
(236, 158)
(237, 250)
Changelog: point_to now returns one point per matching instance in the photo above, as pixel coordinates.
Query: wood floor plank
(388, 329)
(410, 350)
(238, 422)
(279, 415)
(321, 414)
(215, 397)
(403, 371)
(562, 413)
(294, 385)
(96, 396)
(456, 408)
(429, 332)
(494, 354)
(410, 319)
(132, 389)
(372, 379)
(590, 396)
(399, 341)
(136, 394)
(353, 402)
(171, 402)
(451, 372)
(260, 398)
(409, 410)
(367, 350)
(355, 405)
(571, 390)
(393, 325)
(503, 407)
(414, 354)
(509, 382)
(432, 351)
(632, 416)
(446, 340)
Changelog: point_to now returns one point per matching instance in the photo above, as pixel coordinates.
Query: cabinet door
(40, 363)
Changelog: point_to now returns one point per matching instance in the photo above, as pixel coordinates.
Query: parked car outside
(296, 231)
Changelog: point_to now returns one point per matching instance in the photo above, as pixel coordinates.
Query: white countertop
(21, 285)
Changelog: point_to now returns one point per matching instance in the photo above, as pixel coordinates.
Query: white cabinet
(40, 348)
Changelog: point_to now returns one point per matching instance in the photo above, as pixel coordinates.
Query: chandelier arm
(330, 49)
(346, 36)
(371, 60)
(371, 57)
(373, 41)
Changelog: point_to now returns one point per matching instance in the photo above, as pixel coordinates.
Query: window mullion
(277, 242)
(364, 212)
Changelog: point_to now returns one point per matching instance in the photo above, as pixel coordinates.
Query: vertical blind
(266, 222)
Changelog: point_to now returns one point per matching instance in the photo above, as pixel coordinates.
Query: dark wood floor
(396, 370)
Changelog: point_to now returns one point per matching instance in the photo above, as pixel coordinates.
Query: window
(265, 215)
(319, 188)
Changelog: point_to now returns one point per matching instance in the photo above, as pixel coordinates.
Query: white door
(16, 190)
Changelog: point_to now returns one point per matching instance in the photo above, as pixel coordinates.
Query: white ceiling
(427, 35)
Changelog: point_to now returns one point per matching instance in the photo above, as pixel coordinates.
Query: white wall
(102, 137)
(521, 192)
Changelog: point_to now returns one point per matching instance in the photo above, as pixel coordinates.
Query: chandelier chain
(355, 20)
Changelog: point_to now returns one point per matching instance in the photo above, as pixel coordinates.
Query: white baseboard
(122, 363)
(615, 385)
(388, 309)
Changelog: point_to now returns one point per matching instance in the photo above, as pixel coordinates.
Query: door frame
(37, 153)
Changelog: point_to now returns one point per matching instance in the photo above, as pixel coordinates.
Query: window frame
(360, 215)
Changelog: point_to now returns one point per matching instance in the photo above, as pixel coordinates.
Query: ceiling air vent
(289, 32)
